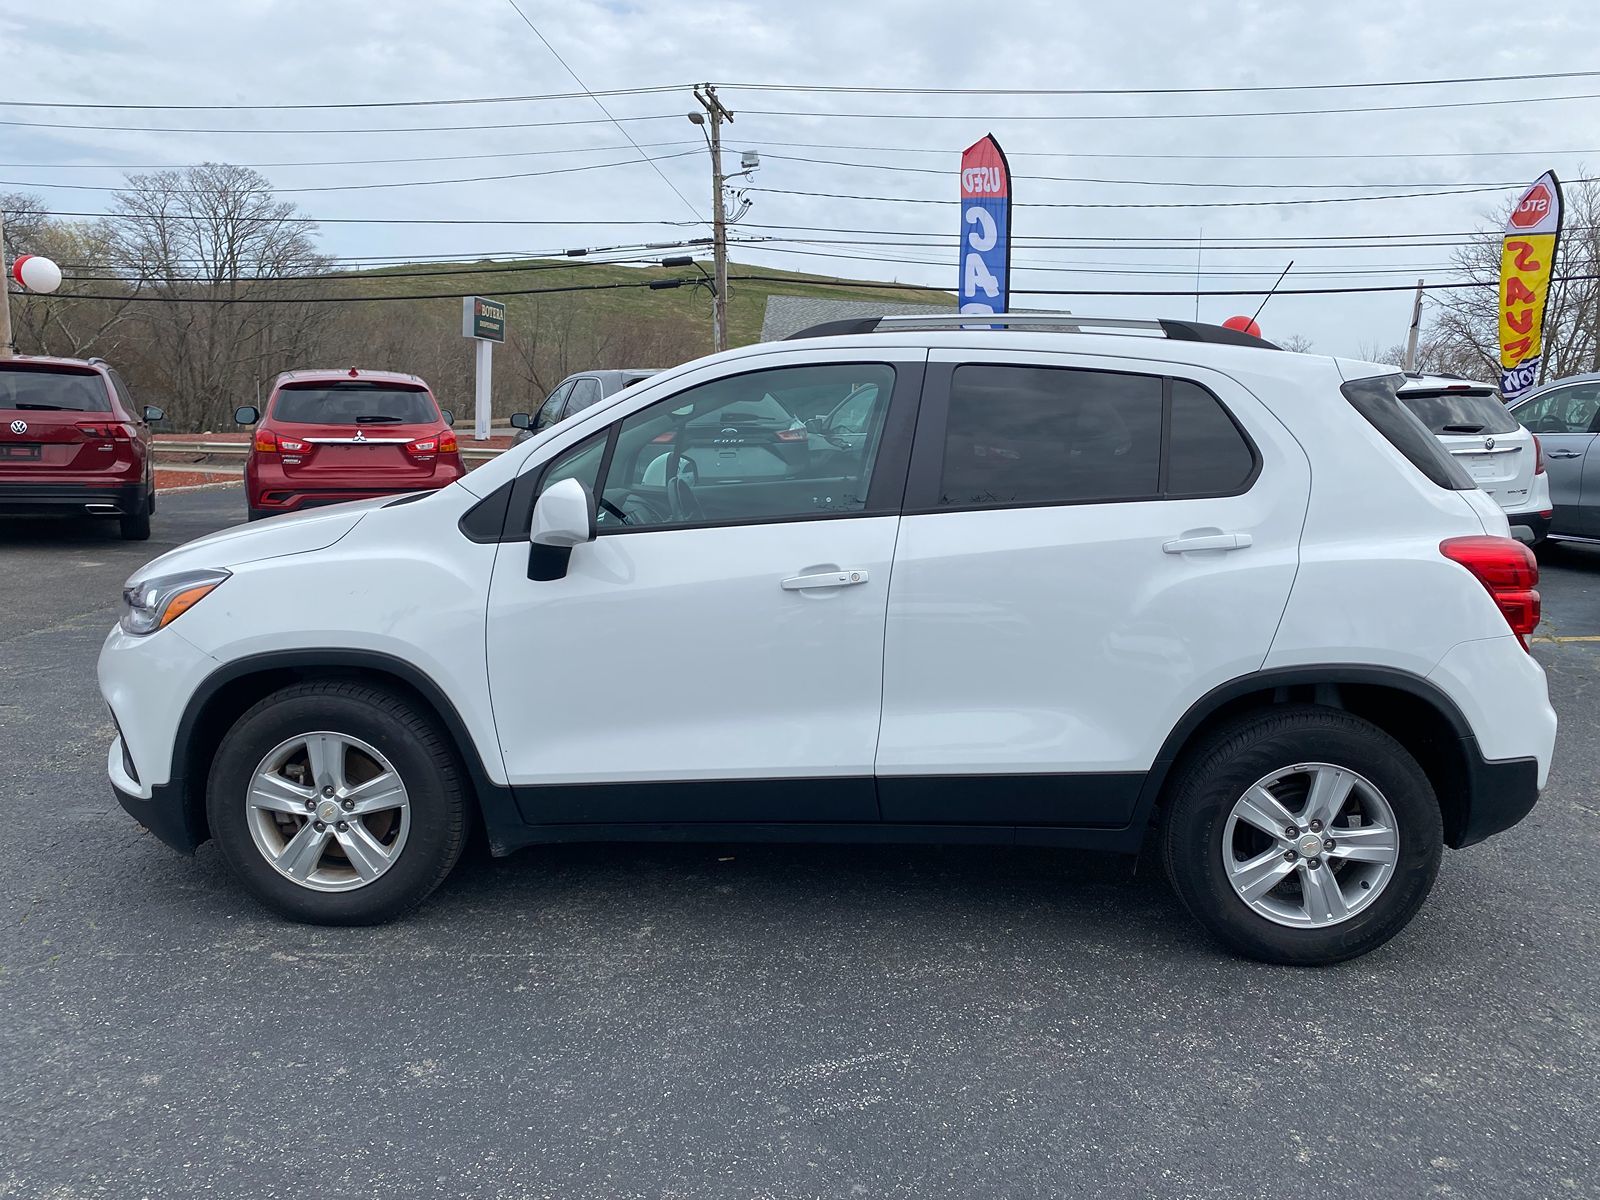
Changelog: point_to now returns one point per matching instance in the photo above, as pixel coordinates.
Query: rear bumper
(1499, 794)
(72, 499)
(269, 497)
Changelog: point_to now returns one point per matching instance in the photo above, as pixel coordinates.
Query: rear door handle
(827, 579)
(1206, 541)
(1564, 454)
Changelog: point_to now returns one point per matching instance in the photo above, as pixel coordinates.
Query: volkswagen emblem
(19, 427)
(360, 436)
(1488, 443)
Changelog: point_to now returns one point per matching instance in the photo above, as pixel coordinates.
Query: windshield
(1460, 411)
(35, 389)
(355, 403)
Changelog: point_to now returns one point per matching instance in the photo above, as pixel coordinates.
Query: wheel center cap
(328, 812)
(1310, 845)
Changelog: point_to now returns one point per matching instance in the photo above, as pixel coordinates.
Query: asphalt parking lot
(709, 1021)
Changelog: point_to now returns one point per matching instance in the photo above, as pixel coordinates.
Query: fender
(1286, 677)
(496, 801)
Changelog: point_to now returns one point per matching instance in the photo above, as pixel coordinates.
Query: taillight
(1508, 570)
(423, 449)
(792, 435)
(663, 439)
(266, 442)
(447, 442)
(1538, 454)
(108, 429)
(290, 446)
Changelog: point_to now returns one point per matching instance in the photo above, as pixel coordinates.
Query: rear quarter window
(1377, 399)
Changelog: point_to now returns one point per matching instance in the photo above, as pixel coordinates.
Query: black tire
(1211, 779)
(387, 722)
(136, 525)
(255, 514)
(152, 499)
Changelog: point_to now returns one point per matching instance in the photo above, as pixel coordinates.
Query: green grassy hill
(690, 307)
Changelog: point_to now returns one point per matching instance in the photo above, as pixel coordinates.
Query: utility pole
(7, 350)
(715, 113)
(1410, 363)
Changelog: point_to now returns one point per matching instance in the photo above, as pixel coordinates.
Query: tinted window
(1460, 412)
(1564, 410)
(550, 411)
(749, 447)
(354, 403)
(1042, 435)
(1207, 455)
(586, 393)
(32, 389)
(125, 393)
(1375, 399)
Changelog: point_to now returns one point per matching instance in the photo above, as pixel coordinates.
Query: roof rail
(1181, 331)
(97, 359)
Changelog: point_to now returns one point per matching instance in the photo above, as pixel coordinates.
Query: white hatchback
(1502, 457)
(1062, 582)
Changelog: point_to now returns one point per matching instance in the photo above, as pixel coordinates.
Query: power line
(1359, 156)
(337, 162)
(363, 187)
(1157, 91)
(374, 129)
(1287, 112)
(633, 91)
(601, 106)
(1465, 191)
(1172, 183)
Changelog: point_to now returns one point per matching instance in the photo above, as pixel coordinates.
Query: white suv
(1472, 422)
(1096, 586)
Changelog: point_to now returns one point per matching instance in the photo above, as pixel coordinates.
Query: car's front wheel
(337, 803)
(1302, 835)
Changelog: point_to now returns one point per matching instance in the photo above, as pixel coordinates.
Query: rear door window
(32, 389)
(354, 403)
(1460, 411)
(1563, 410)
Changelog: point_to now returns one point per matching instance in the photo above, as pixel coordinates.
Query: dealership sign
(985, 228)
(483, 319)
(1527, 257)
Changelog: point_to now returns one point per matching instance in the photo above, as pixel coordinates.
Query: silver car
(1566, 417)
(572, 395)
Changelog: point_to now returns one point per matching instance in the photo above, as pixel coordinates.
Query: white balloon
(39, 274)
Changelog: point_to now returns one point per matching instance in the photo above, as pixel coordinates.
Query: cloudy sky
(1140, 149)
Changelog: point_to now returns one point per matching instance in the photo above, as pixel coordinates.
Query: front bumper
(72, 499)
(166, 813)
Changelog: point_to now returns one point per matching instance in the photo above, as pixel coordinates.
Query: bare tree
(229, 272)
(1298, 343)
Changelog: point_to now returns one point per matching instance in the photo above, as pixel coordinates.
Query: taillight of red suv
(1508, 570)
(268, 442)
(425, 449)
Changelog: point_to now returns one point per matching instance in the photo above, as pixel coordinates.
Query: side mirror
(247, 414)
(448, 415)
(152, 413)
(563, 517)
(521, 421)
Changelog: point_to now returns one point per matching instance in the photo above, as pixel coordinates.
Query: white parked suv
(1102, 585)
(1472, 422)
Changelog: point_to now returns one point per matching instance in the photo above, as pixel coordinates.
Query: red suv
(332, 436)
(74, 443)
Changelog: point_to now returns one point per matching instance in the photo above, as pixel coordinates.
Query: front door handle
(827, 579)
(1563, 454)
(1206, 541)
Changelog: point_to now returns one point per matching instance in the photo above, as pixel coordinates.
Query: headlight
(152, 604)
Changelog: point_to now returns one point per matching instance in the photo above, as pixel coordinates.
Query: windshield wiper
(1463, 429)
(384, 418)
(50, 407)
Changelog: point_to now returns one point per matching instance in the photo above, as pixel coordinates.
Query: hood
(274, 537)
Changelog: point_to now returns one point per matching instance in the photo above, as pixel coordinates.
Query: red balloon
(1243, 325)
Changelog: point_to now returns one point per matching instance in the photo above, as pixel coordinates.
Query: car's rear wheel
(337, 803)
(1302, 835)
